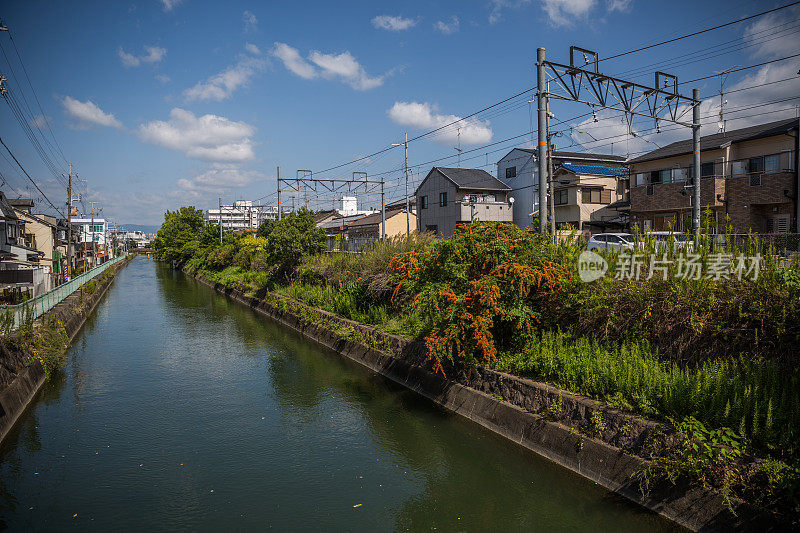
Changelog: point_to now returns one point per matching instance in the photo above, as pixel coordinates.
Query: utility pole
(696, 165)
(94, 246)
(543, 148)
(459, 147)
(220, 220)
(383, 207)
(550, 182)
(69, 222)
(280, 207)
(405, 146)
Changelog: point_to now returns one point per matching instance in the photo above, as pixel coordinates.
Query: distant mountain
(140, 227)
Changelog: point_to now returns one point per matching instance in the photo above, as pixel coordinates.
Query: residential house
(519, 170)
(448, 197)
(336, 231)
(748, 176)
(590, 198)
(91, 241)
(19, 269)
(369, 228)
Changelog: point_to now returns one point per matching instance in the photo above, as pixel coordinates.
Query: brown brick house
(747, 175)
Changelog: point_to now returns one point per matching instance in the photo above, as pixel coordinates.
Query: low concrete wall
(19, 394)
(508, 405)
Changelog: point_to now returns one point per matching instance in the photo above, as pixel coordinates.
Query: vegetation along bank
(709, 361)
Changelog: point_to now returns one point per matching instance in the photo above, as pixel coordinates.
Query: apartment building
(242, 215)
(519, 170)
(747, 176)
(448, 197)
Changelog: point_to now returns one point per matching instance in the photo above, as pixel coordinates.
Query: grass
(753, 397)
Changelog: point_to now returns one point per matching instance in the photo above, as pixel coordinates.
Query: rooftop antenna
(459, 147)
(723, 77)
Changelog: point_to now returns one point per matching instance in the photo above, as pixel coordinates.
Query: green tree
(291, 238)
(179, 227)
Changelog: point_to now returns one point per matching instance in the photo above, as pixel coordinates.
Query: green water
(182, 410)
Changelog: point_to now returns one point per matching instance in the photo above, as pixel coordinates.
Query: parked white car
(610, 241)
(682, 240)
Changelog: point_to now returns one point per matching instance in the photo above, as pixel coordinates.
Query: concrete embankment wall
(510, 406)
(18, 394)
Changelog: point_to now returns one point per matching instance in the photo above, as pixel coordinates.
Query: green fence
(36, 307)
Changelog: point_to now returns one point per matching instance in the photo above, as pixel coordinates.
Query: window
(511, 172)
(423, 202)
(649, 191)
(666, 176)
(755, 180)
(655, 176)
(442, 199)
(595, 196)
(562, 197)
(679, 174)
(772, 163)
(641, 179)
(738, 169)
(706, 170)
(755, 165)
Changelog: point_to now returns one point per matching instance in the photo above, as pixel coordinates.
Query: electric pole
(92, 231)
(220, 220)
(543, 148)
(405, 146)
(69, 222)
(280, 207)
(550, 182)
(696, 165)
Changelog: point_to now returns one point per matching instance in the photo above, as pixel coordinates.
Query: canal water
(181, 410)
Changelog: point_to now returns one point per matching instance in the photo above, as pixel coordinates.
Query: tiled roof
(711, 142)
(375, 218)
(597, 170)
(472, 178)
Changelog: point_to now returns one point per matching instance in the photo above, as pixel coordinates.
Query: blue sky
(163, 103)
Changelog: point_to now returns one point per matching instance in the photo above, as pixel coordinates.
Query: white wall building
(519, 169)
(91, 230)
(242, 215)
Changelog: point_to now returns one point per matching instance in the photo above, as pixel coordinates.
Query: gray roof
(560, 154)
(5, 208)
(376, 218)
(711, 142)
(471, 178)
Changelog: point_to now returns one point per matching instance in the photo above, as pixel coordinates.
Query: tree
(179, 227)
(291, 238)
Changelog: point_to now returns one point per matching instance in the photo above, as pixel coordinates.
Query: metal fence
(36, 307)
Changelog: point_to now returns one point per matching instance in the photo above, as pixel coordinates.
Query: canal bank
(24, 374)
(180, 408)
(520, 410)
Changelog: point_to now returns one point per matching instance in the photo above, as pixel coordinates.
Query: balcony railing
(753, 167)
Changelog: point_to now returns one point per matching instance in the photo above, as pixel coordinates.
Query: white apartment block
(242, 215)
(91, 230)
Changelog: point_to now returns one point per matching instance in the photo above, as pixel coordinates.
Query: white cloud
(565, 12)
(387, 22)
(153, 54)
(219, 177)
(426, 116)
(87, 114)
(169, 5)
(623, 6)
(250, 22)
(496, 14)
(222, 85)
(40, 121)
(209, 137)
(448, 27)
(342, 67)
(163, 78)
(293, 61)
(253, 49)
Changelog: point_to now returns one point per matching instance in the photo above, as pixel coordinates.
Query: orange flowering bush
(481, 291)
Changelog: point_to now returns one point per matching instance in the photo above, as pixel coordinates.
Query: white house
(519, 169)
(91, 230)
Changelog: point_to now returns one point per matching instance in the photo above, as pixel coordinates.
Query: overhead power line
(29, 177)
(693, 34)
